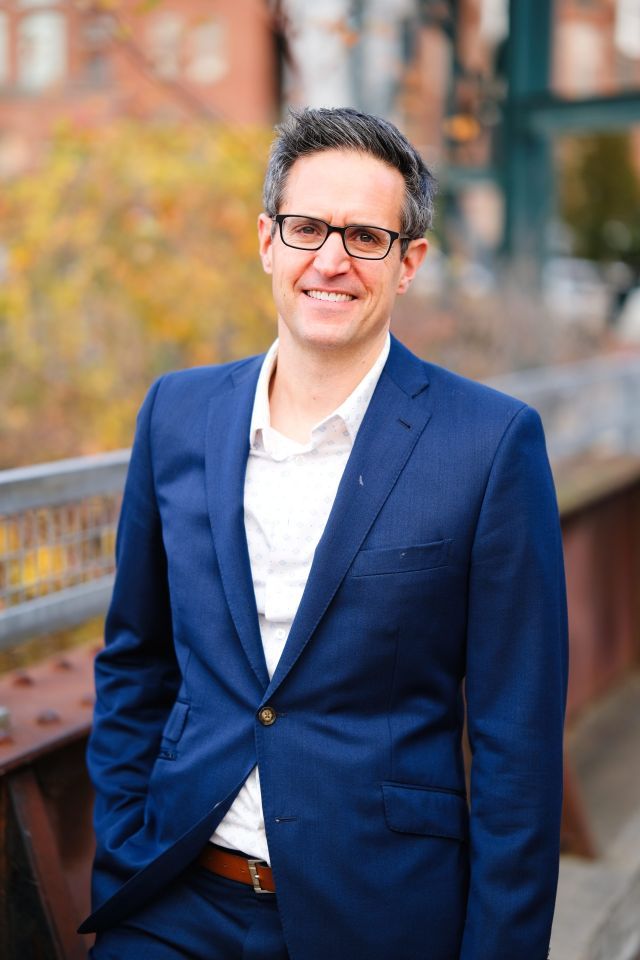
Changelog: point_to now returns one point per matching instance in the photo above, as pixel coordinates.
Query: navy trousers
(200, 916)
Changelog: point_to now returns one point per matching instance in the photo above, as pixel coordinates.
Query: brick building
(597, 47)
(90, 62)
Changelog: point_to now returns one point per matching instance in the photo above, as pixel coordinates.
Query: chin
(327, 335)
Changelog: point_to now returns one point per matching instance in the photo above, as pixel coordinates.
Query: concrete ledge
(598, 906)
(597, 912)
(619, 936)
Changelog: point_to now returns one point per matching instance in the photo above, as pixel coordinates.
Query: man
(316, 548)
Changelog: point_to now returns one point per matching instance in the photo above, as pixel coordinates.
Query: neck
(308, 385)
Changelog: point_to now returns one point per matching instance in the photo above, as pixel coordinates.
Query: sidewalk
(598, 907)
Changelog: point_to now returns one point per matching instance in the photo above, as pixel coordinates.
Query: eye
(367, 239)
(305, 228)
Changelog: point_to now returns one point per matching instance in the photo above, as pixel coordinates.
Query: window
(494, 20)
(98, 30)
(627, 29)
(4, 49)
(164, 39)
(97, 33)
(581, 53)
(42, 50)
(208, 60)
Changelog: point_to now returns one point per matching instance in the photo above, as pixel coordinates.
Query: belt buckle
(255, 877)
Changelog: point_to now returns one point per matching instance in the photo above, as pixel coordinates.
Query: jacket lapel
(396, 416)
(226, 453)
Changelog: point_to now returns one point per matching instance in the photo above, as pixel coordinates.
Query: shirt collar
(351, 411)
(261, 417)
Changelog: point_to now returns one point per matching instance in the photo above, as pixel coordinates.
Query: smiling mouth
(329, 295)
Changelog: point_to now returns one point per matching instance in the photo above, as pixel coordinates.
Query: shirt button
(280, 634)
(267, 716)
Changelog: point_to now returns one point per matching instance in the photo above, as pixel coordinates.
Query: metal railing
(588, 407)
(57, 537)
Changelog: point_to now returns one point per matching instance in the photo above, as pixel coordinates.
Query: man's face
(339, 187)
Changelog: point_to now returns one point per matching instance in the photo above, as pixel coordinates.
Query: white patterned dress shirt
(288, 495)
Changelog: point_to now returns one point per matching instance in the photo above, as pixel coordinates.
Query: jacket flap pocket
(177, 719)
(421, 556)
(426, 811)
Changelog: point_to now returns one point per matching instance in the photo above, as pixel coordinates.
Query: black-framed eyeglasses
(359, 240)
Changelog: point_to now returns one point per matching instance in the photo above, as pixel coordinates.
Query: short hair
(309, 130)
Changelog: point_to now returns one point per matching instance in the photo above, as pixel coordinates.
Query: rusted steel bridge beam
(46, 839)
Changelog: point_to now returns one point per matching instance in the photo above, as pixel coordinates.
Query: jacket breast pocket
(173, 730)
(421, 556)
(427, 811)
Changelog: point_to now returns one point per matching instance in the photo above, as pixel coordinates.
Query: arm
(515, 688)
(136, 674)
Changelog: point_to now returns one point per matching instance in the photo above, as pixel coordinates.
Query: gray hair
(309, 130)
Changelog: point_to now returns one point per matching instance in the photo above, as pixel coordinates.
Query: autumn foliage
(128, 252)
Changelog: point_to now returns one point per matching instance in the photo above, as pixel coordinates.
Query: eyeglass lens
(308, 234)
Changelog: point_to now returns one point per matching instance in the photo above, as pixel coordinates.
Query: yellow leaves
(43, 551)
(9, 536)
(19, 258)
(130, 250)
(29, 568)
(44, 562)
(36, 564)
(107, 6)
(145, 6)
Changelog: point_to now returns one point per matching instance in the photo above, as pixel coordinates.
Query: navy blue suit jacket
(441, 560)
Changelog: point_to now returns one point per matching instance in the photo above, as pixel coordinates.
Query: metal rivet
(23, 679)
(64, 664)
(45, 717)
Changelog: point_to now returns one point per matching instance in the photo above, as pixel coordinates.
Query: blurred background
(133, 137)
(133, 142)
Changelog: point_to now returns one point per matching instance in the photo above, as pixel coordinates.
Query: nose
(332, 258)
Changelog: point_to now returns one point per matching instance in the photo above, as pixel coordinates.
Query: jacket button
(267, 716)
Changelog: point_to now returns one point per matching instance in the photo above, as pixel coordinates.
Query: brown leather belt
(233, 866)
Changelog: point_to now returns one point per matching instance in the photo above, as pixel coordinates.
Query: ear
(416, 252)
(265, 241)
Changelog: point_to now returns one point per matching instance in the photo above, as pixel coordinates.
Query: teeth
(328, 295)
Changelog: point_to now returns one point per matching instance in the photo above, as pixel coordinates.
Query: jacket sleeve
(136, 673)
(516, 689)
